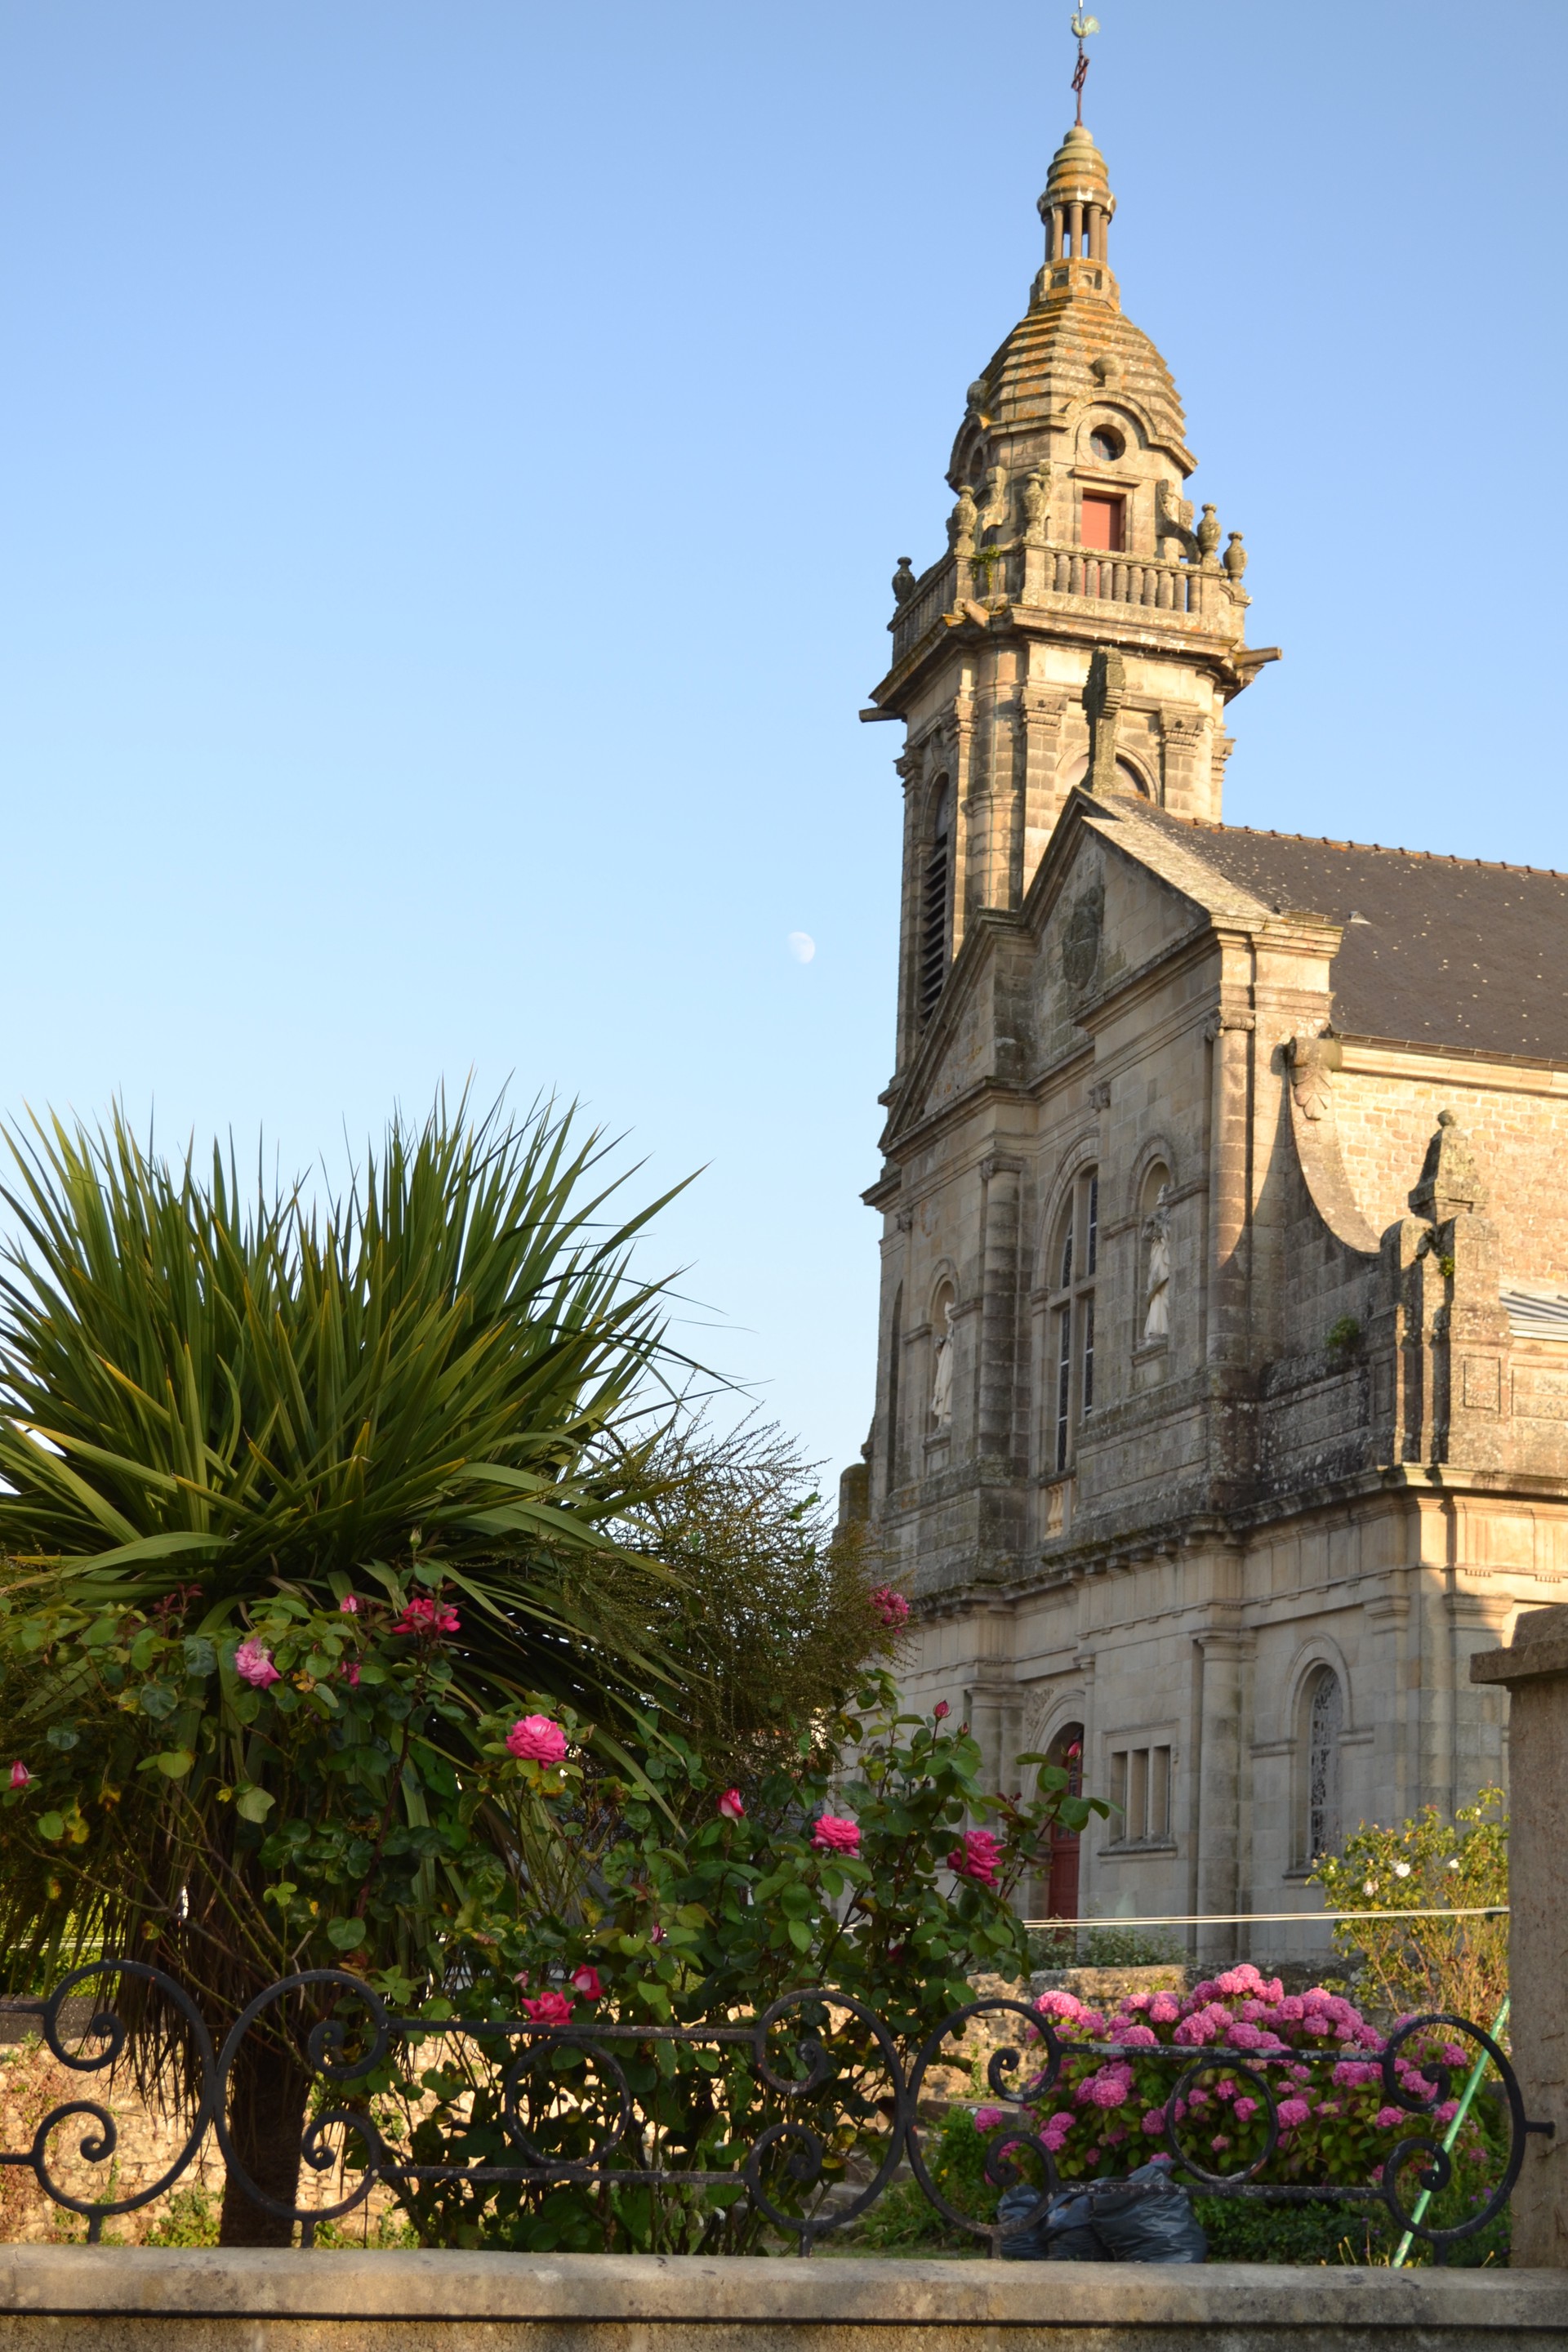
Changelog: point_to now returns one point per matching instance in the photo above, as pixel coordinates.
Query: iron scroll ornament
(834, 2042)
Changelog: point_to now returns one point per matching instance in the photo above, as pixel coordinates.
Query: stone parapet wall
(67, 2299)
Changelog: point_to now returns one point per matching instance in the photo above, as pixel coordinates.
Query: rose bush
(659, 1902)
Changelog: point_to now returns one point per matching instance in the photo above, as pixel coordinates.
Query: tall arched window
(1061, 1887)
(1323, 1707)
(936, 891)
(1070, 1387)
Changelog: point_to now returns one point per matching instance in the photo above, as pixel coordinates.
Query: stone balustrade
(1027, 575)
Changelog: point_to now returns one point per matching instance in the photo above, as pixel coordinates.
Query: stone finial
(1450, 1181)
(1103, 698)
(979, 397)
(1234, 558)
(961, 522)
(904, 582)
(1208, 535)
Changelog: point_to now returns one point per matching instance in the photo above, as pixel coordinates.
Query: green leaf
(201, 1655)
(159, 1700)
(51, 1826)
(799, 1933)
(253, 1804)
(60, 1736)
(175, 1762)
(346, 1933)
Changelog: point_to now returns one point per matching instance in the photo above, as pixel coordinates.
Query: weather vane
(1082, 26)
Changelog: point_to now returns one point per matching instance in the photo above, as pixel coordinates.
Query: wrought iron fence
(832, 2112)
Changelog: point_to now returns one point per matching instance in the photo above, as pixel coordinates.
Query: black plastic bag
(1145, 2218)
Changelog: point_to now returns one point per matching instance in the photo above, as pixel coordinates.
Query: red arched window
(1061, 1892)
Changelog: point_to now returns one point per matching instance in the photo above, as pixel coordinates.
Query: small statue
(1157, 1291)
(942, 1385)
(1208, 535)
(961, 522)
(994, 513)
(1037, 505)
(1234, 559)
(1173, 520)
(904, 582)
(979, 396)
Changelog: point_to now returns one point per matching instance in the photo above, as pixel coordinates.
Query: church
(1221, 1388)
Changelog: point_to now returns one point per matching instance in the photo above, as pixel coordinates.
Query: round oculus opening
(1105, 444)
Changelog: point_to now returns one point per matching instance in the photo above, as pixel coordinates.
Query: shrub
(1429, 1863)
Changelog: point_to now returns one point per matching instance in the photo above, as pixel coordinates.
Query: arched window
(1070, 1367)
(1324, 1714)
(936, 890)
(1061, 1887)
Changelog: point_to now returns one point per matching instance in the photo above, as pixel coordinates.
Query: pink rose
(350, 1673)
(587, 1981)
(891, 1606)
(730, 1805)
(978, 1857)
(550, 2008)
(987, 2118)
(348, 1606)
(538, 1739)
(253, 1663)
(940, 1710)
(422, 1615)
(656, 1934)
(20, 1776)
(835, 1834)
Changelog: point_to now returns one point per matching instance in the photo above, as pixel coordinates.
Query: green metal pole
(1471, 2087)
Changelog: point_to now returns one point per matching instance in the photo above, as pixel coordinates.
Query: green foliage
(192, 2219)
(1428, 1863)
(687, 1917)
(1108, 1946)
(226, 1415)
(1344, 1335)
(770, 1624)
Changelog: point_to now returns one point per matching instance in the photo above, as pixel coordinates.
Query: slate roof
(1437, 951)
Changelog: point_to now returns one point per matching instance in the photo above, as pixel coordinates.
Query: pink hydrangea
(1054, 2129)
(987, 2118)
(1453, 2053)
(891, 1606)
(1244, 2109)
(1292, 2113)
(979, 1857)
(550, 2008)
(1386, 2117)
(1138, 2037)
(422, 1615)
(1154, 2122)
(1352, 2073)
(253, 1664)
(20, 1776)
(1165, 2009)
(537, 1739)
(1063, 2005)
(834, 1833)
(1219, 2142)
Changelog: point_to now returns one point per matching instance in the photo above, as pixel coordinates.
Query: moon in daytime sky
(802, 946)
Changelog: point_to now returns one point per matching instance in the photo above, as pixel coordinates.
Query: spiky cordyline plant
(219, 1403)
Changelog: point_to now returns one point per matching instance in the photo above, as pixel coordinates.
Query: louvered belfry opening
(934, 891)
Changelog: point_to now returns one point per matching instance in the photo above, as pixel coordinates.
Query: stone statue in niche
(942, 1385)
(994, 513)
(1080, 937)
(1037, 505)
(1157, 1288)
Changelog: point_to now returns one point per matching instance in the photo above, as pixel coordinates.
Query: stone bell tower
(1080, 628)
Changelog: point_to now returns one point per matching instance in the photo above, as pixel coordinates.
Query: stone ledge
(401, 2295)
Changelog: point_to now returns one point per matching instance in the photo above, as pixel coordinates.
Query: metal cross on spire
(1082, 26)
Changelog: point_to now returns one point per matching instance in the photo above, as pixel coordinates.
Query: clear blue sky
(451, 461)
